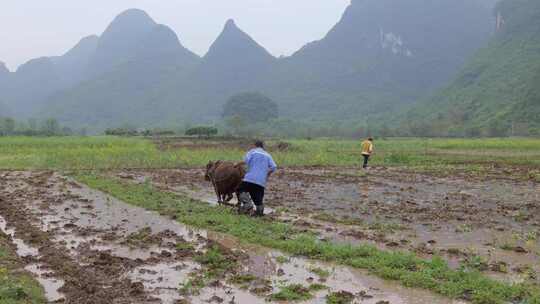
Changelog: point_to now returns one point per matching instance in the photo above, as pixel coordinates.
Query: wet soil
(175, 143)
(462, 217)
(86, 247)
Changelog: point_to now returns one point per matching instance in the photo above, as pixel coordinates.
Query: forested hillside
(381, 57)
(498, 92)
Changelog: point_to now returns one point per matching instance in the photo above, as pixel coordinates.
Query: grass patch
(107, 152)
(142, 238)
(282, 259)
(242, 279)
(322, 273)
(293, 292)
(326, 217)
(317, 287)
(184, 247)
(16, 286)
(476, 262)
(216, 263)
(385, 227)
(408, 269)
(192, 286)
(342, 297)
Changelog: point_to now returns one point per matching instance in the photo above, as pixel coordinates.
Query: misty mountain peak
(133, 15)
(37, 65)
(86, 45)
(162, 43)
(236, 45)
(128, 24)
(121, 40)
(91, 39)
(3, 68)
(230, 24)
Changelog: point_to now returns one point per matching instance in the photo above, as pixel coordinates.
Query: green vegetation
(215, 264)
(251, 107)
(434, 274)
(341, 297)
(142, 238)
(498, 92)
(317, 287)
(249, 113)
(193, 286)
(48, 127)
(282, 259)
(242, 279)
(293, 292)
(16, 287)
(184, 247)
(327, 88)
(296, 292)
(202, 131)
(72, 153)
(322, 273)
(385, 227)
(322, 216)
(131, 131)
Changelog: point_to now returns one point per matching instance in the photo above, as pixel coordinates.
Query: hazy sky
(34, 28)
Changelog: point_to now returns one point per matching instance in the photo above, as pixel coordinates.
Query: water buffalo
(225, 177)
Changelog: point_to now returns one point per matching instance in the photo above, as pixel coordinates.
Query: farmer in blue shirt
(260, 166)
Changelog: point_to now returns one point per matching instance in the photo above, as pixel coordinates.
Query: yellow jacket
(367, 147)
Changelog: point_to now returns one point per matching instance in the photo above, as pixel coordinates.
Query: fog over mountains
(497, 93)
(382, 57)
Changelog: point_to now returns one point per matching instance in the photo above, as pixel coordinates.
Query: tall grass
(118, 153)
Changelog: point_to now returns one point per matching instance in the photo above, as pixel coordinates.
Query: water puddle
(111, 214)
(163, 280)
(23, 250)
(92, 220)
(369, 290)
(226, 295)
(50, 284)
(283, 270)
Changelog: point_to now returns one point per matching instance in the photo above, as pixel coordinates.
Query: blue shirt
(259, 164)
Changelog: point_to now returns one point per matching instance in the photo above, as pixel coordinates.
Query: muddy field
(491, 222)
(86, 247)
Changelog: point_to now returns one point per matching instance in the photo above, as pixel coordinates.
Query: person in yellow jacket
(367, 150)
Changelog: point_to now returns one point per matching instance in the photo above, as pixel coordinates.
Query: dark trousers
(255, 191)
(366, 159)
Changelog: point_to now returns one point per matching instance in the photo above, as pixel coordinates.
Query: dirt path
(86, 247)
(493, 223)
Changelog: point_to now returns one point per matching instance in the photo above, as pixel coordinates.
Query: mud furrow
(494, 221)
(106, 251)
(93, 283)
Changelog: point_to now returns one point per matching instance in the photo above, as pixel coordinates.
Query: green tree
(236, 123)
(202, 131)
(251, 107)
(7, 126)
(51, 127)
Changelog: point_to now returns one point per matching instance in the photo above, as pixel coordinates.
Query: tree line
(34, 127)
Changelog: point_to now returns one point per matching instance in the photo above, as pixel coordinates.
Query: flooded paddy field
(492, 222)
(84, 246)
(77, 220)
